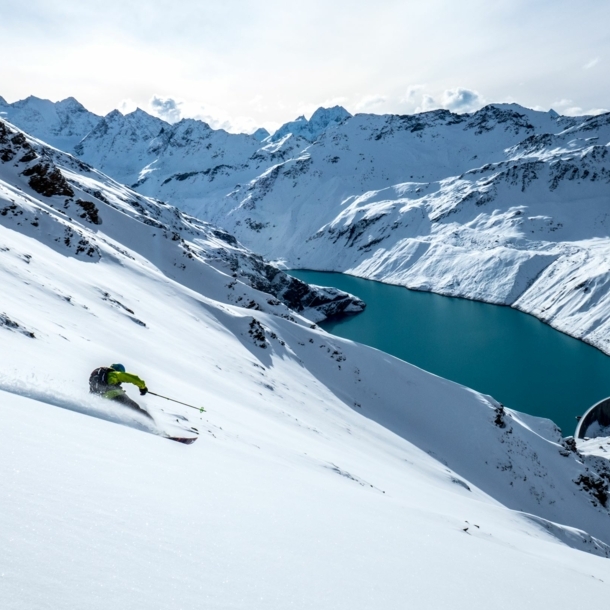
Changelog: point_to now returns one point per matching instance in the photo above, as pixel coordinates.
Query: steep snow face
(366, 155)
(62, 124)
(160, 159)
(188, 161)
(83, 213)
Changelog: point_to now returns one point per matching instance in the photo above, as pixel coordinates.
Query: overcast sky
(240, 64)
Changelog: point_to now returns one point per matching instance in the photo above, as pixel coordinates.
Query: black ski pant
(132, 404)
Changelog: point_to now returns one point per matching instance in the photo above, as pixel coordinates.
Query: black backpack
(98, 380)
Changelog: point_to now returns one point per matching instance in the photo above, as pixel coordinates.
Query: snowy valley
(505, 205)
(327, 474)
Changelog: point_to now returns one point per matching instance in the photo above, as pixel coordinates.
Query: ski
(188, 440)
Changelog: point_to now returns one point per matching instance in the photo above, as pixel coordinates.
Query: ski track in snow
(85, 404)
(165, 423)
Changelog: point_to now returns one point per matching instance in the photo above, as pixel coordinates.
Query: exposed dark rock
(595, 485)
(6, 322)
(257, 332)
(569, 446)
(47, 180)
(6, 155)
(4, 132)
(30, 155)
(90, 211)
(500, 415)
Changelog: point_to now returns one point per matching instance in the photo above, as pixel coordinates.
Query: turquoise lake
(523, 363)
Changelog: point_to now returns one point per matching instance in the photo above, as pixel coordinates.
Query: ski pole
(200, 409)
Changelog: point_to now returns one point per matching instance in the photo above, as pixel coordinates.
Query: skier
(106, 382)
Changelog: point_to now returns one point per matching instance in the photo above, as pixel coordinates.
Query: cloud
(173, 110)
(166, 108)
(258, 104)
(127, 106)
(308, 108)
(369, 102)
(215, 119)
(569, 108)
(419, 99)
(413, 94)
(246, 57)
(591, 63)
(562, 103)
(462, 100)
(427, 103)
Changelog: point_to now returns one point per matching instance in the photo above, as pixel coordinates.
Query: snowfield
(327, 474)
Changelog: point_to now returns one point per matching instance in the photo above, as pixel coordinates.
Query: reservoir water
(523, 363)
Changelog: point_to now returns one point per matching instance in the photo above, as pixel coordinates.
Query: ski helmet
(118, 367)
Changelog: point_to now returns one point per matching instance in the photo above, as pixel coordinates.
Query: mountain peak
(33, 98)
(320, 120)
(141, 117)
(512, 106)
(260, 134)
(113, 115)
(335, 113)
(192, 123)
(62, 124)
(73, 104)
(31, 101)
(138, 112)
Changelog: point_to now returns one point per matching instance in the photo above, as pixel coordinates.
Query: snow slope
(327, 475)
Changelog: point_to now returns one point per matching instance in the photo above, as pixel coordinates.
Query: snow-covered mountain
(313, 128)
(85, 213)
(327, 474)
(188, 160)
(506, 205)
(62, 124)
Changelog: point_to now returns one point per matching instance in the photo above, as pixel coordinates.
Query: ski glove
(143, 391)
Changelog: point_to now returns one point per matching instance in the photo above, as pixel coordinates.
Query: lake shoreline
(451, 296)
(537, 358)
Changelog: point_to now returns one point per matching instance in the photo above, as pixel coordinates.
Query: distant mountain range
(506, 205)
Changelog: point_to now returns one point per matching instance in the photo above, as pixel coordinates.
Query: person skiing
(106, 382)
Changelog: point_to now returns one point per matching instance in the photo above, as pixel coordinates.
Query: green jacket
(116, 378)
